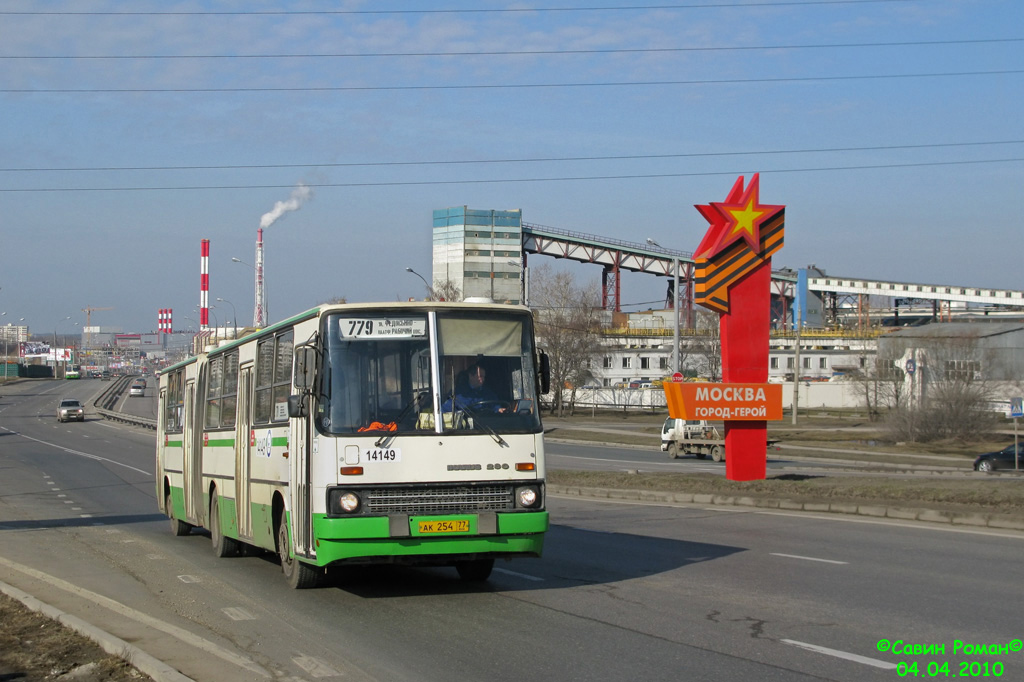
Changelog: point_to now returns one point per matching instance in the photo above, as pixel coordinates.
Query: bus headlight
(344, 502)
(528, 497)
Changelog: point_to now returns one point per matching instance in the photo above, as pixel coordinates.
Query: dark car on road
(1002, 459)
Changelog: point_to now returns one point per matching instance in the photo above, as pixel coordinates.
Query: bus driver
(473, 392)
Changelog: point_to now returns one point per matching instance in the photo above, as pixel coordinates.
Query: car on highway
(1001, 459)
(137, 389)
(69, 409)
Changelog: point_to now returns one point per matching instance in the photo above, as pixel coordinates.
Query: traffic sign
(1016, 407)
(677, 377)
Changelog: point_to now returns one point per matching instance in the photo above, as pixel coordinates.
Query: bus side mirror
(545, 373)
(297, 407)
(305, 367)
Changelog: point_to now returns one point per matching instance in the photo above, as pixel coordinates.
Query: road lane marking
(838, 517)
(77, 452)
(809, 558)
(856, 658)
(181, 634)
(237, 613)
(524, 576)
(315, 666)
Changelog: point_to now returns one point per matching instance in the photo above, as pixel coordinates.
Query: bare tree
(568, 320)
(881, 383)
(445, 290)
(704, 348)
(947, 395)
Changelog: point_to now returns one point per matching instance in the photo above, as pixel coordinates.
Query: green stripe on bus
(339, 539)
(220, 443)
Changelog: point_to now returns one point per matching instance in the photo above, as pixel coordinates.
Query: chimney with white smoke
(300, 195)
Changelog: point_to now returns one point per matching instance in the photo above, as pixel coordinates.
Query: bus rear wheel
(475, 571)
(299, 575)
(178, 527)
(223, 546)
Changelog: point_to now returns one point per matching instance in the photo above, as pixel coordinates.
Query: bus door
(298, 447)
(300, 440)
(192, 461)
(243, 454)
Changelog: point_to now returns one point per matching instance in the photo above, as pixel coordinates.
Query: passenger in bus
(471, 393)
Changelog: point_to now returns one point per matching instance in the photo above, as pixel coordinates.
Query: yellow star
(745, 219)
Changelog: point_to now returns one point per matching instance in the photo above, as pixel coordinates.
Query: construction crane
(86, 340)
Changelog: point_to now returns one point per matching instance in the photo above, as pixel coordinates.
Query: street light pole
(524, 283)
(796, 366)
(7, 340)
(430, 289)
(55, 344)
(234, 317)
(675, 307)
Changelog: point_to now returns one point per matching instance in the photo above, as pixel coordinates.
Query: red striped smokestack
(204, 285)
(164, 322)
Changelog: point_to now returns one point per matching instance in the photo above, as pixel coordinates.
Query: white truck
(692, 437)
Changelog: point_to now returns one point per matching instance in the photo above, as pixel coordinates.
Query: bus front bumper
(429, 539)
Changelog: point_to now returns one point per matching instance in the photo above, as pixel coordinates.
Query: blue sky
(892, 130)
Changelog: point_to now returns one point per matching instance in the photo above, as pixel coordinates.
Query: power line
(518, 53)
(511, 86)
(510, 10)
(477, 181)
(558, 159)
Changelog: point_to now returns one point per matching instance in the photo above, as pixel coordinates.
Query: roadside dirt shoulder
(35, 647)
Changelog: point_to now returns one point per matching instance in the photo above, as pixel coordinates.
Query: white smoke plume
(300, 195)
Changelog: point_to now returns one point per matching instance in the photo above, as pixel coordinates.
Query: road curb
(115, 646)
(902, 513)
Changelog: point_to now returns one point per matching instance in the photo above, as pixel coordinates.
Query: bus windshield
(378, 374)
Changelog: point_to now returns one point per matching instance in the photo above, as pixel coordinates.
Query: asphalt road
(624, 591)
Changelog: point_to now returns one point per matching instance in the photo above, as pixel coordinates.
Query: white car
(70, 409)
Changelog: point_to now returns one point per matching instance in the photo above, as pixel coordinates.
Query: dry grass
(34, 647)
(839, 436)
(984, 494)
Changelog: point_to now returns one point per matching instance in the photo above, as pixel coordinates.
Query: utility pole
(796, 366)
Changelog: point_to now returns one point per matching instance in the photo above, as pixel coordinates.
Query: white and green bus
(341, 436)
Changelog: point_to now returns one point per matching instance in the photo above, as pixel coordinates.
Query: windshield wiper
(494, 434)
(401, 415)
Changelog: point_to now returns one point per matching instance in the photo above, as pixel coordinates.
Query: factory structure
(838, 323)
(824, 328)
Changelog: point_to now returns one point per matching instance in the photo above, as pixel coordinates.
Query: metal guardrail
(105, 401)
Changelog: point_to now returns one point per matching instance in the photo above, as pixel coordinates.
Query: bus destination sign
(383, 328)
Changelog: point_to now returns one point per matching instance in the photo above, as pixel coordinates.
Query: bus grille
(438, 500)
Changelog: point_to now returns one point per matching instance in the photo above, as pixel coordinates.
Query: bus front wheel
(299, 575)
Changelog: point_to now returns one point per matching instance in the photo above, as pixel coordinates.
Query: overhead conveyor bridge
(790, 290)
(616, 255)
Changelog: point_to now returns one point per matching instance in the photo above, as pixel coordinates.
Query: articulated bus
(340, 436)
